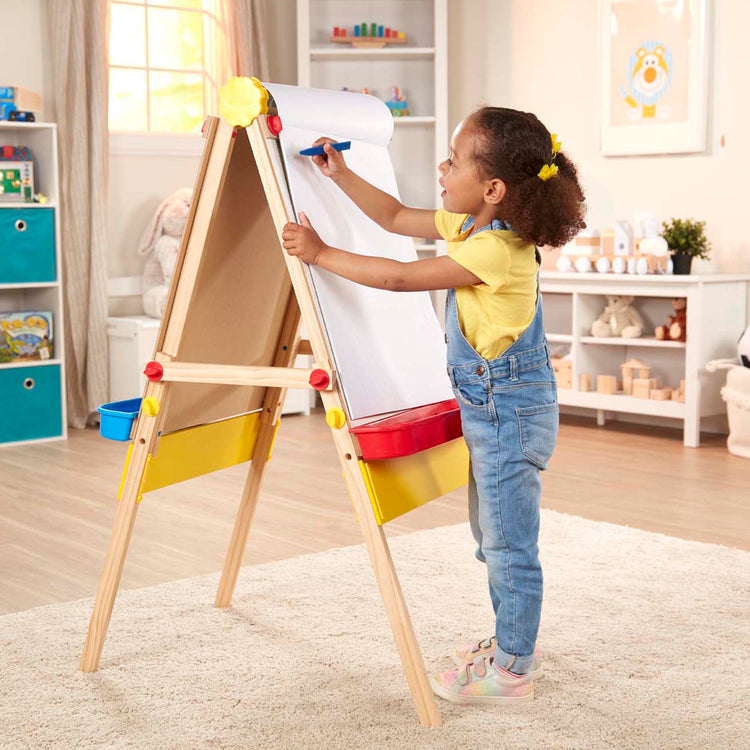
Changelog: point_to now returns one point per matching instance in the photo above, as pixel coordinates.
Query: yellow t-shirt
(493, 314)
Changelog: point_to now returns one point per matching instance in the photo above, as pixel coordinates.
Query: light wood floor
(57, 504)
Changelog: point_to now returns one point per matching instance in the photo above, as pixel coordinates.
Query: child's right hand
(332, 163)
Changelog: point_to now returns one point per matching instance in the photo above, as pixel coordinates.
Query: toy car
(18, 116)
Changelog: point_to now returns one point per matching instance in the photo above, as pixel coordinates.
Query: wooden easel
(232, 410)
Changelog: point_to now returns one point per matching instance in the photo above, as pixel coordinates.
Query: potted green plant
(687, 240)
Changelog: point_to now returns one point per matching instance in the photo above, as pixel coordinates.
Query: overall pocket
(475, 393)
(537, 427)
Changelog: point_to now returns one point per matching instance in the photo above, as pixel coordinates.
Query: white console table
(716, 316)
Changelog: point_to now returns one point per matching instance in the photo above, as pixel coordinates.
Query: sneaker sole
(534, 674)
(443, 692)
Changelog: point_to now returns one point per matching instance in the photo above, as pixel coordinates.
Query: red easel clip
(154, 371)
(319, 380)
(274, 124)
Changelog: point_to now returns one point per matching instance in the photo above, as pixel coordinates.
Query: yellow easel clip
(335, 418)
(241, 100)
(150, 406)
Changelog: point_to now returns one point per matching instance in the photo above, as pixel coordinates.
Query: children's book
(25, 336)
(16, 174)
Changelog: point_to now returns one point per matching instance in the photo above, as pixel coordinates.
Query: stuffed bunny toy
(161, 242)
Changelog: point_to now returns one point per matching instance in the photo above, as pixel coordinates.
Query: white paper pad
(388, 347)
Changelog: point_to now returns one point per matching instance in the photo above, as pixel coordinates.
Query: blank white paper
(388, 347)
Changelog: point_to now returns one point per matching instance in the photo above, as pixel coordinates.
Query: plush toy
(161, 242)
(618, 319)
(743, 348)
(676, 328)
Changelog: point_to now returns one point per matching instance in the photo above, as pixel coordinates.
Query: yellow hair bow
(547, 171)
(556, 145)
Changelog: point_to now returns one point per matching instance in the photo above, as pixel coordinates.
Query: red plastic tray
(410, 431)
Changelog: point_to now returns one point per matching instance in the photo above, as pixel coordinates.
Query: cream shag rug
(644, 638)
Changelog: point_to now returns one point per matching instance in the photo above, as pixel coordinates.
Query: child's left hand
(303, 241)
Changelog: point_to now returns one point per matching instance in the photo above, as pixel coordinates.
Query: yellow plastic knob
(336, 418)
(150, 406)
(241, 100)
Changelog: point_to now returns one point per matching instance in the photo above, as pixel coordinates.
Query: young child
(507, 189)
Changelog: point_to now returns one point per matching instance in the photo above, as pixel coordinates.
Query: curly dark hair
(513, 146)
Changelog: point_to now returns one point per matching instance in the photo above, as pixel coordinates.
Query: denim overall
(509, 415)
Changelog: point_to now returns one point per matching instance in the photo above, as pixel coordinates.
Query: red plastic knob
(274, 124)
(154, 371)
(319, 380)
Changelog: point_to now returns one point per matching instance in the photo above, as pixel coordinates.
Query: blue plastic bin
(117, 418)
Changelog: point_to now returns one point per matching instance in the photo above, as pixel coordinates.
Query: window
(163, 61)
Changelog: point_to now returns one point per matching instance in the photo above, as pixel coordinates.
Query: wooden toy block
(630, 370)
(606, 384)
(584, 382)
(661, 394)
(679, 393)
(641, 388)
(563, 369)
(17, 98)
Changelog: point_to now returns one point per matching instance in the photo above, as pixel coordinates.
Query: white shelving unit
(420, 68)
(716, 315)
(33, 393)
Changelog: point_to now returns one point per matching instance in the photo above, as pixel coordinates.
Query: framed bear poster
(654, 76)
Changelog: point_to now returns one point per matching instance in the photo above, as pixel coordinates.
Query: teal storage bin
(27, 245)
(117, 418)
(30, 403)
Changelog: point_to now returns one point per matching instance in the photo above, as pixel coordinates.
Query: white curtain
(78, 38)
(246, 27)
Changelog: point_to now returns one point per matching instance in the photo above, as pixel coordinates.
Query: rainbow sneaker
(468, 652)
(481, 681)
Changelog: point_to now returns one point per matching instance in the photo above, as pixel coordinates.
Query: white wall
(552, 57)
(538, 55)
(22, 62)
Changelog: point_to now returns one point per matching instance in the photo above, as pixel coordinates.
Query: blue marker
(318, 150)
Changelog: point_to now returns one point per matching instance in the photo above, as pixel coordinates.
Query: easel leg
(395, 607)
(244, 516)
(286, 353)
(406, 639)
(109, 581)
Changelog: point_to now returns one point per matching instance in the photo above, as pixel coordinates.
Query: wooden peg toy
(364, 35)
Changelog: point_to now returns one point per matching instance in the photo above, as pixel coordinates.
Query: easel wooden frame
(300, 306)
